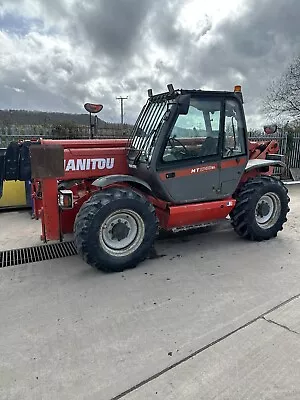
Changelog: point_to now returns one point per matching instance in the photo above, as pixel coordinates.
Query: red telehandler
(187, 162)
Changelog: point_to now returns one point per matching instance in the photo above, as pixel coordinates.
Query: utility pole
(122, 107)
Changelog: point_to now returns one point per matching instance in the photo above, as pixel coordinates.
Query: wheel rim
(268, 210)
(122, 233)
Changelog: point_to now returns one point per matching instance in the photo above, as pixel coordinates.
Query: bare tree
(283, 99)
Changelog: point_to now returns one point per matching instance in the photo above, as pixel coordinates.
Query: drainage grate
(10, 258)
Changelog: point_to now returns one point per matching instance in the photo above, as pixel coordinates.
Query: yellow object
(14, 194)
(238, 88)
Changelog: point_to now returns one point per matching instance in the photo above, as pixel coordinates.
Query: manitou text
(86, 164)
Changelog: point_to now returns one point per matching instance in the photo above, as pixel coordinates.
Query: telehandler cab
(187, 162)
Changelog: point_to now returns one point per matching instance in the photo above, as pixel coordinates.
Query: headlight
(65, 199)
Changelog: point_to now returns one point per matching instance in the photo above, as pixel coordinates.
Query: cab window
(195, 135)
(234, 134)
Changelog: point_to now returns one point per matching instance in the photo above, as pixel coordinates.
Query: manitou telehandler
(187, 162)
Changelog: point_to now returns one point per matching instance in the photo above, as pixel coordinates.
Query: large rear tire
(115, 229)
(261, 208)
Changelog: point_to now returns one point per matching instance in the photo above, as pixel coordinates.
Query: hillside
(23, 117)
(19, 124)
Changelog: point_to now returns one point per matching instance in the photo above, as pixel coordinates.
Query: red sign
(93, 108)
(270, 129)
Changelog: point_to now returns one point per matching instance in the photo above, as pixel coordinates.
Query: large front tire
(261, 208)
(115, 229)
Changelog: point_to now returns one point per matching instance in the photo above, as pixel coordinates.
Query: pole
(91, 134)
(92, 128)
(122, 111)
(122, 107)
(96, 126)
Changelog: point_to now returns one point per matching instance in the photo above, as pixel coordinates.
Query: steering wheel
(173, 139)
(229, 151)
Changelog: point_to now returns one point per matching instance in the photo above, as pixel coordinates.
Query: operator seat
(209, 147)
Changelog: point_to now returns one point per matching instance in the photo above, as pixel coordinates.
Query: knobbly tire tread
(243, 215)
(95, 210)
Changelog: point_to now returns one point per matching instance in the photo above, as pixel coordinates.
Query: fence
(289, 146)
(13, 133)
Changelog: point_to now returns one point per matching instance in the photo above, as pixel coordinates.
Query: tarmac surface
(215, 317)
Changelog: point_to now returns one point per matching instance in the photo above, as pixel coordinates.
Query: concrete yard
(215, 317)
(20, 230)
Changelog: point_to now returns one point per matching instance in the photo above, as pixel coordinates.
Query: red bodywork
(87, 160)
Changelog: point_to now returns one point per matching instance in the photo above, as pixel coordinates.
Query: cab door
(234, 147)
(190, 158)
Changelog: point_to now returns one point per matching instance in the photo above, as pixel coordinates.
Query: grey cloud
(204, 28)
(163, 20)
(117, 38)
(34, 98)
(256, 46)
(129, 84)
(52, 12)
(112, 27)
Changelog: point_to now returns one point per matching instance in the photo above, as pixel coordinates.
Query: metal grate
(147, 126)
(10, 258)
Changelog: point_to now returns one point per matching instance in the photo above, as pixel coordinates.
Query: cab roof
(175, 93)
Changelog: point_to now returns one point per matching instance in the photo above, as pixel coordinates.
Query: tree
(283, 99)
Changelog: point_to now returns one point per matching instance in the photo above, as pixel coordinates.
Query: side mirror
(270, 129)
(184, 104)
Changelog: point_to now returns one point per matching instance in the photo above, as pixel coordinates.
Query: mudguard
(111, 179)
(261, 163)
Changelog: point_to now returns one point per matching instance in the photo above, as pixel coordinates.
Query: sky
(56, 55)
